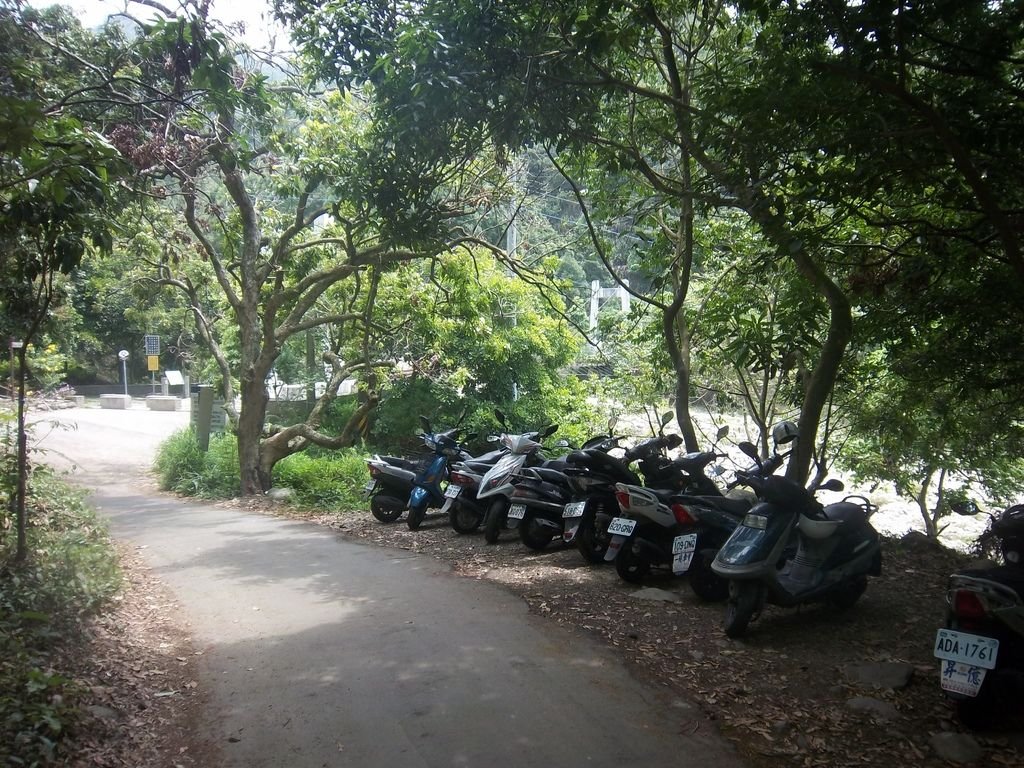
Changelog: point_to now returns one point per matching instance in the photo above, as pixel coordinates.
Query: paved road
(324, 652)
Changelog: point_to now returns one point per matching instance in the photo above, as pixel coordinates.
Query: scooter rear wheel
(463, 519)
(846, 596)
(744, 597)
(631, 566)
(591, 543)
(534, 535)
(705, 583)
(497, 513)
(386, 508)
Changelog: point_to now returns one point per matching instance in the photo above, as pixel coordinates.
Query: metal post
(204, 415)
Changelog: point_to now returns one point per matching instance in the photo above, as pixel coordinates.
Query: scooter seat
(846, 512)
(479, 466)
(598, 461)
(399, 461)
(546, 474)
(1011, 576)
(734, 507)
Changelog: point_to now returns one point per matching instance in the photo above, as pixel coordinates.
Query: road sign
(152, 346)
(153, 362)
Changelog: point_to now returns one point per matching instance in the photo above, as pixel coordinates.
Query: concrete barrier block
(117, 402)
(163, 403)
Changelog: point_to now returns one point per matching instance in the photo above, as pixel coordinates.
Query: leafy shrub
(178, 456)
(328, 482)
(183, 467)
(71, 573)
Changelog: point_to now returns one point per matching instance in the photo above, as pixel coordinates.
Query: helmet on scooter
(1010, 530)
(785, 432)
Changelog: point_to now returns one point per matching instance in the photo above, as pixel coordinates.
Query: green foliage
(330, 482)
(71, 573)
(183, 467)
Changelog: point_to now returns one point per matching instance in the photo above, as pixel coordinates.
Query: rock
(281, 494)
(101, 712)
(956, 747)
(893, 674)
(883, 710)
(919, 542)
(652, 593)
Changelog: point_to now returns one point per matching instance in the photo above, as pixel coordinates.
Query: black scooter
(981, 647)
(836, 547)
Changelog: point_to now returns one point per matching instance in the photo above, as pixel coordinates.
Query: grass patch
(325, 482)
(183, 467)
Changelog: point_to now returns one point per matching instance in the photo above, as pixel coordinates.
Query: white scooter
(497, 484)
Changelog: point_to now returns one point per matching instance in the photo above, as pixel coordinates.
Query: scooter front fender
(614, 546)
(419, 498)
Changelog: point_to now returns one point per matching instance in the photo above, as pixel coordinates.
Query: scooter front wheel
(744, 598)
(497, 513)
(386, 508)
(416, 515)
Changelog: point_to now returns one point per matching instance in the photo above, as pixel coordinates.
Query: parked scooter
(594, 475)
(391, 481)
(836, 547)
(428, 486)
(541, 494)
(498, 483)
(658, 528)
(465, 511)
(981, 646)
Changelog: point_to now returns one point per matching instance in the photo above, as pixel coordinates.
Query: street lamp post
(123, 357)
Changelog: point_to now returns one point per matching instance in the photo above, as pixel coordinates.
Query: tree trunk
(922, 503)
(823, 377)
(251, 418)
(20, 507)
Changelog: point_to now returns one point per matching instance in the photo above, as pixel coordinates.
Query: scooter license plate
(517, 512)
(683, 548)
(957, 677)
(370, 486)
(974, 650)
(574, 509)
(621, 526)
(452, 491)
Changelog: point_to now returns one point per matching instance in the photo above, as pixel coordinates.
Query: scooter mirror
(425, 424)
(832, 485)
(723, 431)
(666, 417)
(967, 508)
(549, 430)
(500, 416)
(750, 450)
(611, 425)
